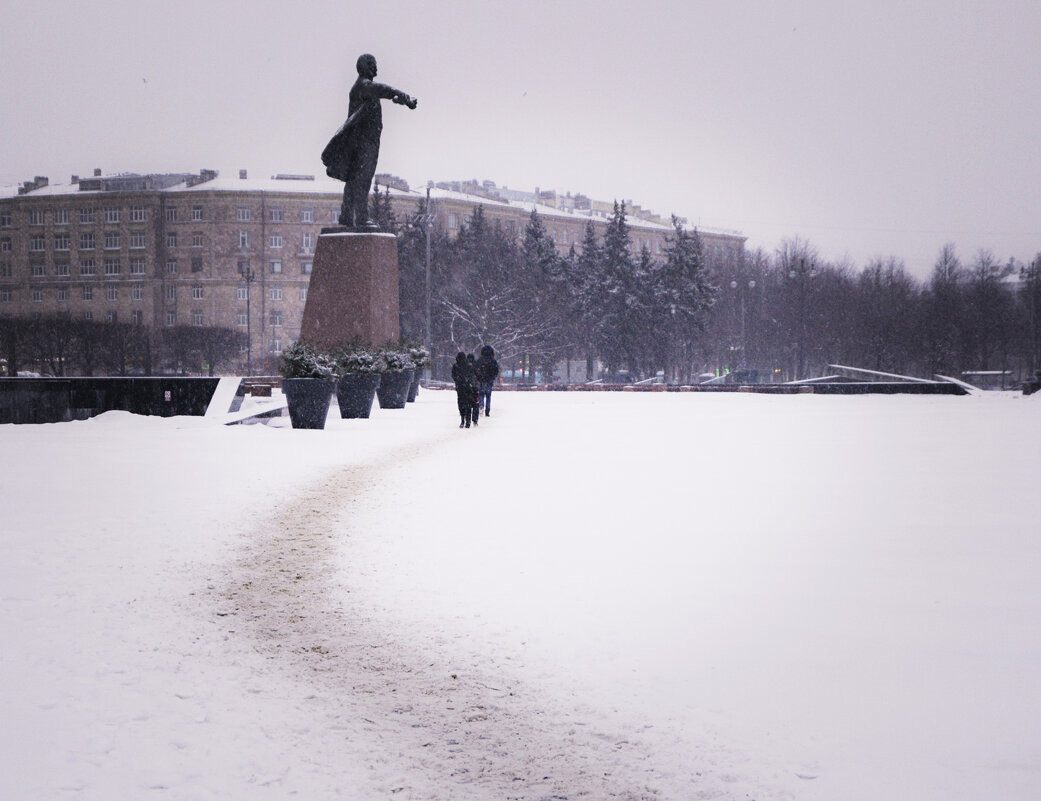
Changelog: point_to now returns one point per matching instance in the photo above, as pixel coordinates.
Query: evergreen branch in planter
(303, 361)
(396, 360)
(360, 359)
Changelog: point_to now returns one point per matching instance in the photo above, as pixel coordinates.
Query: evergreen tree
(684, 297)
(543, 285)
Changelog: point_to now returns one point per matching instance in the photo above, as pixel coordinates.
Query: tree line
(686, 313)
(58, 345)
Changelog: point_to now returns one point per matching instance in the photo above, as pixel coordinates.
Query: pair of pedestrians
(474, 379)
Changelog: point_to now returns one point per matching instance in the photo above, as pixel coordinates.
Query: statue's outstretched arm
(381, 90)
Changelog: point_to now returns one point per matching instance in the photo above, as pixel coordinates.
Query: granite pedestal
(353, 294)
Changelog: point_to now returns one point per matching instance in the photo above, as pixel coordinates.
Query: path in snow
(420, 713)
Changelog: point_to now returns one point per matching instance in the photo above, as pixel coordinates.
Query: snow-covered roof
(320, 184)
(327, 186)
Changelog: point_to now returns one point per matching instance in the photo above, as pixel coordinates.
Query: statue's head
(367, 65)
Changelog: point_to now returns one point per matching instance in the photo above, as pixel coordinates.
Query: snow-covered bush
(302, 361)
(360, 360)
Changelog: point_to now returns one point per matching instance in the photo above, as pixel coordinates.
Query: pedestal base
(354, 291)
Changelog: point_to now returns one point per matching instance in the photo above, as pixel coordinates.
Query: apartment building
(201, 249)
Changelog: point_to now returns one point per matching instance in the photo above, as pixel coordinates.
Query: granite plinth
(354, 291)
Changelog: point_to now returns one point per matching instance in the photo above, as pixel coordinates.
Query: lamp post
(428, 220)
(741, 287)
(249, 277)
(802, 274)
(1031, 277)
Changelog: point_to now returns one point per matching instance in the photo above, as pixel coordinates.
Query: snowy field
(591, 595)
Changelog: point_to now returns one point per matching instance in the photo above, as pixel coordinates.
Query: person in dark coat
(487, 369)
(476, 409)
(465, 389)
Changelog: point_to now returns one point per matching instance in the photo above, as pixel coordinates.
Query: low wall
(836, 388)
(56, 400)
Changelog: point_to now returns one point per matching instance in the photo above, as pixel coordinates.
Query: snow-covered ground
(591, 595)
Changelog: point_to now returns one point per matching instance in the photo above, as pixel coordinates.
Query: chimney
(242, 175)
(75, 179)
(41, 181)
(97, 172)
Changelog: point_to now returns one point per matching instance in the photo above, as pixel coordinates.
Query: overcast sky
(867, 128)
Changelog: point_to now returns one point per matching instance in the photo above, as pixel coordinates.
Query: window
(112, 267)
(303, 293)
(36, 244)
(244, 214)
(453, 221)
(137, 214)
(87, 267)
(196, 239)
(111, 316)
(112, 216)
(86, 215)
(5, 295)
(196, 292)
(276, 318)
(171, 319)
(243, 266)
(171, 213)
(63, 295)
(61, 217)
(88, 315)
(196, 317)
(87, 240)
(171, 239)
(137, 266)
(111, 240)
(5, 245)
(305, 267)
(276, 293)
(197, 264)
(307, 215)
(36, 217)
(5, 219)
(307, 242)
(36, 269)
(5, 269)
(171, 292)
(171, 266)
(276, 266)
(61, 269)
(137, 317)
(274, 240)
(243, 239)
(136, 292)
(276, 345)
(242, 320)
(276, 215)
(243, 293)
(61, 241)
(196, 213)
(37, 296)
(88, 293)
(137, 240)
(112, 293)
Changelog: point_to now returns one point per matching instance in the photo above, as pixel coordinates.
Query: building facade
(191, 249)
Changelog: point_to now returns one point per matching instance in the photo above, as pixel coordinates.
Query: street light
(741, 295)
(249, 277)
(1031, 276)
(803, 274)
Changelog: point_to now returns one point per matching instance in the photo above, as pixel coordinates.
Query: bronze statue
(351, 154)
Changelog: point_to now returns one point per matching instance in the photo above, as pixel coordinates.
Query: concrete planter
(355, 393)
(393, 389)
(308, 400)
